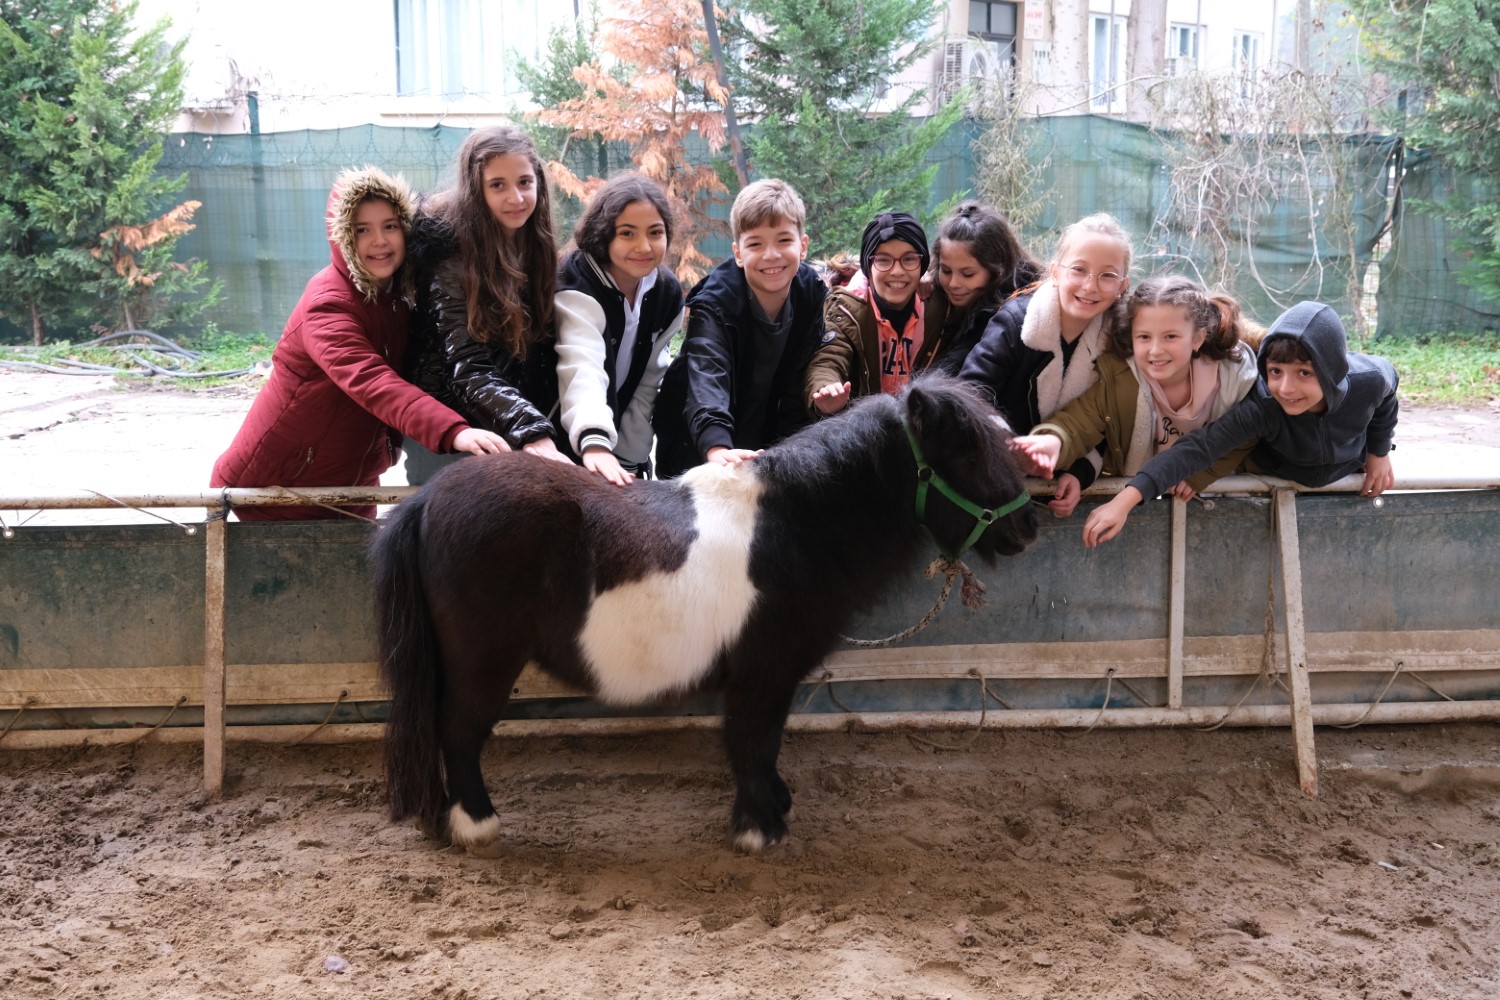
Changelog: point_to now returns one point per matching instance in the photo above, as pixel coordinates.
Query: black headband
(889, 226)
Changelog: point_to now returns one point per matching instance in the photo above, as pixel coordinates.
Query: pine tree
(86, 224)
(1447, 53)
(660, 91)
(809, 83)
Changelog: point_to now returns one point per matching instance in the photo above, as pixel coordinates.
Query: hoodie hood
(1320, 332)
(350, 189)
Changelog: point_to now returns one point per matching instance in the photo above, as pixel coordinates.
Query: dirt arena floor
(1106, 866)
(1152, 865)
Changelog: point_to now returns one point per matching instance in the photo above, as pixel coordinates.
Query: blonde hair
(764, 202)
(1098, 224)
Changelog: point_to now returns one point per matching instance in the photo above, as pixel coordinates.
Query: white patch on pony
(1001, 422)
(462, 829)
(661, 633)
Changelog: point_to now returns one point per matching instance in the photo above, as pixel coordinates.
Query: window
(440, 48)
(995, 24)
(1107, 57)
(1182, 49)
(1247, 60)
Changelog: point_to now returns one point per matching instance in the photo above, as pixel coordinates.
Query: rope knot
(973, 590)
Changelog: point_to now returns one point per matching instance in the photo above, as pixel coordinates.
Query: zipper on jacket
(303, 467)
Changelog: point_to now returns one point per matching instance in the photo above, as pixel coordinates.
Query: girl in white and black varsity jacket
(618, 306)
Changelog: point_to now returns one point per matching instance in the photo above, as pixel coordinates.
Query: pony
(731, 578)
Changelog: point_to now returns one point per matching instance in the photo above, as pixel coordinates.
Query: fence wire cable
(1400, 666)
(344, 693)
(181, 700)
(191, 529)
(25, 704)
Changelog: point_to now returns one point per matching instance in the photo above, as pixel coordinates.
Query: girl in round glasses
(1037, 353)
(875, 338)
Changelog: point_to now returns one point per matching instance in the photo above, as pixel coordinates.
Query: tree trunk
(38, 334)
(736, 147)
(1146, 57)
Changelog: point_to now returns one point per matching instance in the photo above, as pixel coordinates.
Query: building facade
(282, 65)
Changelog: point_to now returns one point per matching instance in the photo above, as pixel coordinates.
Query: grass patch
(212, 358)
(1442, 369)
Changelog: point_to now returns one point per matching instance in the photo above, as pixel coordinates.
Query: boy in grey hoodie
(1317, 413)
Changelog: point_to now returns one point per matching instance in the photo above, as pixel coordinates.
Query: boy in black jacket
(1317, 414)
(753, 324)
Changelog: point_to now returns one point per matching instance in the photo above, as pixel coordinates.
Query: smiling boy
(1318, 413)
(753, 324)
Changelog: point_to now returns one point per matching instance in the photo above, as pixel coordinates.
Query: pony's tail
(409, 667)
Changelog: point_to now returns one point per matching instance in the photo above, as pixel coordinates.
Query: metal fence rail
(1404, 598)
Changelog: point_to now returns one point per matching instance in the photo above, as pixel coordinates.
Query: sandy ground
(1109, 866)
(1100, 866)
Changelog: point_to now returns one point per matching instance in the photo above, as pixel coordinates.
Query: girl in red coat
(334, 407)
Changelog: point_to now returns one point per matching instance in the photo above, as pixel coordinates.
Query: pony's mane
(831, 446)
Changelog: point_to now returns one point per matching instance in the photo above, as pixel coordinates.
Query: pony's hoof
(754, 841)
(464, 830)
(489, 849)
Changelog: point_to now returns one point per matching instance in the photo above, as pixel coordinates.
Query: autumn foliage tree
(659, 91)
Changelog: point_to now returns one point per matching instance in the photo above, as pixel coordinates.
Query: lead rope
(971, 594)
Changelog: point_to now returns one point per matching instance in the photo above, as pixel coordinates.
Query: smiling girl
(325, 416)
(486, 270)
(1037, 353)
(1178, 358)
(876, 336)
(979, 263)
(618, 308)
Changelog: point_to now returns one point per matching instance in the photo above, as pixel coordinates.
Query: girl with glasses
(878, 335)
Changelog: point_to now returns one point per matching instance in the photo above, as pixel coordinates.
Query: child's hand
(544, 448)
(1183, 491)
(479, 442)
(924, 286)
(832, 398)
(1065, 498)
(1378, 475)
(602, 462)
(729, 456)
(1040, 451)
(1107, 521)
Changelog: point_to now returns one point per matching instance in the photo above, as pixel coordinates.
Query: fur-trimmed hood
(350, 189)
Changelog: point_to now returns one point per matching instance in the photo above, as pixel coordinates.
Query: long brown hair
(508, 281)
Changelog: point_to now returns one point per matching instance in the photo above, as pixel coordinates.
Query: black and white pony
(732, 578)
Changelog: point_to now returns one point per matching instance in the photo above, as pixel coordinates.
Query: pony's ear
(924, 409)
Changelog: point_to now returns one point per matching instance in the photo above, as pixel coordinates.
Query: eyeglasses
(1109, 281)
(908, 262)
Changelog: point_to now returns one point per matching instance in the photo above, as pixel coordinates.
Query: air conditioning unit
(969, 61)
(953, 73)
(1181, 65)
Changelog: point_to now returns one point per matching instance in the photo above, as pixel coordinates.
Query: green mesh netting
(260, 227)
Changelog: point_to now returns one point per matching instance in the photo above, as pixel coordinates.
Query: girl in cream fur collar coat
(1037, 354)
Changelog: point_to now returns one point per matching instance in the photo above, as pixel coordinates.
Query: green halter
(983, 516)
